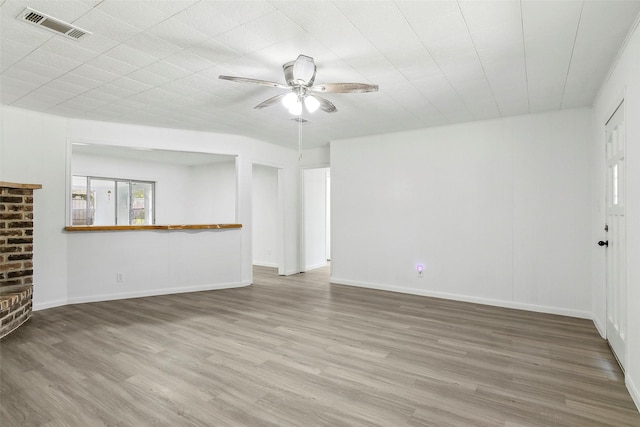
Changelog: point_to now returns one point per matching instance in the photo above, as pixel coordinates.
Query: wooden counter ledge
(152, 227)
(5, 184)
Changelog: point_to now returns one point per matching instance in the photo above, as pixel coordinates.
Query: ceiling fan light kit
(300, 76)
(290, 100)
(296, 109)
(311, 103)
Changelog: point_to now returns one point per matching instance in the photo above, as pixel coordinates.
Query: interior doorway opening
(267, 213)
(316, 227)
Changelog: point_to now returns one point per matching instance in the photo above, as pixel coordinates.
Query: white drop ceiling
(157, 62)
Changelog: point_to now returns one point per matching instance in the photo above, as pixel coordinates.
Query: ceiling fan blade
(269, 102)
(326, 105)
(254, 81)
(345, 88)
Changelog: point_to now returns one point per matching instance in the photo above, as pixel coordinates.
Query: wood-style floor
(296, 351)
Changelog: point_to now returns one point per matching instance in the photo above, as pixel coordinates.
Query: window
(111, 201)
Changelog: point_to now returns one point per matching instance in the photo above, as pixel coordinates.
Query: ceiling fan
(300, 76)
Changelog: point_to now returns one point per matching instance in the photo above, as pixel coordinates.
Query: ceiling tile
(97, 43)
(102, 94)
(83, 102)
(120, 89)
(181, 87)
(67, 87)
(22, 32)
(601, 27)
(327, 24)
(549, 34)
(167, 70)
(275, 27)
(67, 10)
(95, 73)
(91, 3)
(131, 56)
(152, 45)
(50, 92)
(138, 13)
(204, 18)
(79, 80)
(128, 84)
(13, 88)
(242, 40)
(171, 7)
(188, 60)
(129, 104)
(73, 50)
(147, 77)
(44, 57)
(177, 33)
(101, 23)
(243, 11)
(11, 52)
(214, 51)
(44, 72)
(439, 25)
(38, 103)
(112, 65)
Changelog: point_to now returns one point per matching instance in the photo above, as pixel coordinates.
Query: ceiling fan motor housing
(301, 72)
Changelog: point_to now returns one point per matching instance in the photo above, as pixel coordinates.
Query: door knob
(603, 243)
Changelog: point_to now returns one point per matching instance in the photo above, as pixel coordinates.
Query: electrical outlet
(420, 270)
(120, 277)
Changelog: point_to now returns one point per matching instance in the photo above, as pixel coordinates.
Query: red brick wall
(16, 257)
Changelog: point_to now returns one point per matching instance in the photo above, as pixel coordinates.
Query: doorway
(316, 227)
(616, 235)
(267, 214)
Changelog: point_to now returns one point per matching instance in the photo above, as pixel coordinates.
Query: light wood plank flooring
(296, 351)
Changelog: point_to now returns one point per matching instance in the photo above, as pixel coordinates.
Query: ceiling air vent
(52, 24)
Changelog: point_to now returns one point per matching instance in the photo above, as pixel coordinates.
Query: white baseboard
(602, 330)
(477, 300)
(265, 264)
(291, 273)
(139, 294)
(313, 267)
(633, 390)
(49, 304)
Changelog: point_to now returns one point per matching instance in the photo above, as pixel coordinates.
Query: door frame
(280, 255)
(620, 103)
(302, 264)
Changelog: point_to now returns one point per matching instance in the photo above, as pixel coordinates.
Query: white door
(616, 233)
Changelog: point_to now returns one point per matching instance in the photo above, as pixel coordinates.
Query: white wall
(36, 148)
(624, 82)
(315, 217)
(497, 211)
(34, 151)
(316, 157)
(212, 195)
(265, 216)
(151, 263)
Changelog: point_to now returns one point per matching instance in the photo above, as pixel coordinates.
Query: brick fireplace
(16, 254)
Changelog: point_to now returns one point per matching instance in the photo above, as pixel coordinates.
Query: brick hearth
(16, 255)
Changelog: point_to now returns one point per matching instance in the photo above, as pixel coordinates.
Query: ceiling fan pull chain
(300, 137)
